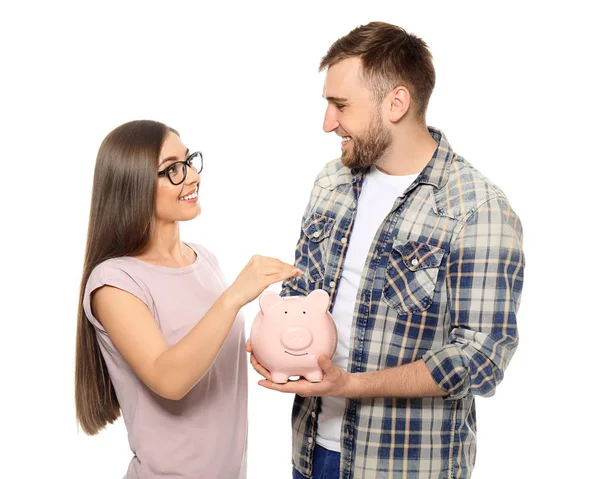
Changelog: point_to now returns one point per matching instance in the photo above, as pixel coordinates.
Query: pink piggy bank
(289, 334)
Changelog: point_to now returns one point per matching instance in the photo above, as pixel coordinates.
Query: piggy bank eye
(285, 312)
(303, 312)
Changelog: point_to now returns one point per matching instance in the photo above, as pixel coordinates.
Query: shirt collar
(435, 173)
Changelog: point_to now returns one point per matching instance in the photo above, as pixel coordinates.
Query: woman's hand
(258, 275)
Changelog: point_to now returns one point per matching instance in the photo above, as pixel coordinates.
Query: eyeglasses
(177, 172)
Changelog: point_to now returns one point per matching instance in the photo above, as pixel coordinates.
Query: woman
(160, 336)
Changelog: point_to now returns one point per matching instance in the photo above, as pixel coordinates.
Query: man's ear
(399, 102)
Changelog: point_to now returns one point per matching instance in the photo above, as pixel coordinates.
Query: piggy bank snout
(296, 338)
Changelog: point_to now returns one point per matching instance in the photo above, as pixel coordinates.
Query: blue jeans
(326, 464)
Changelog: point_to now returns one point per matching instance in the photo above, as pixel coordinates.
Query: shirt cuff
(449, 368)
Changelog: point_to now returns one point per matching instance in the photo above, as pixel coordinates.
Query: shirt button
(344, 240)
(313, 414)
(316, 234)
(310, 440)
(414, 262)
(331, 284)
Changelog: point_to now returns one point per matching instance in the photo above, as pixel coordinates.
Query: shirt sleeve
(484, 279)
(111, 275)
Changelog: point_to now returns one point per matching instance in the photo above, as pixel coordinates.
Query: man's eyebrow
(174, 158)
(336, 99)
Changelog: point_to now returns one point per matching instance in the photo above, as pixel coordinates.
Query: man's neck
(411, 149)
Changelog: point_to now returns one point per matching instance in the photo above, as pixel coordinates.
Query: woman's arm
(172, 372)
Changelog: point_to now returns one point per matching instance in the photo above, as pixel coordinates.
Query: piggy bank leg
(315, 376)
(279, 378)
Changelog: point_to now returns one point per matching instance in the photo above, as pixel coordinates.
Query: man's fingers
(300, 387)
(283, 388)
(259, 368)
(325, 363)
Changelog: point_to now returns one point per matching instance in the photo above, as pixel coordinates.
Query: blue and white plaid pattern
(442, 282)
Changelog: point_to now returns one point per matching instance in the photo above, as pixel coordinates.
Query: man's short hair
(390, 57)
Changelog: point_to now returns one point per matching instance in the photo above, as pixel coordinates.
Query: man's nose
(330, 122)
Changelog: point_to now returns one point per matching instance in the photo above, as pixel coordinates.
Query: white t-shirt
(378, 195)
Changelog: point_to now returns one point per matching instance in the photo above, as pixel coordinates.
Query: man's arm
(408, 381)
(484, 279)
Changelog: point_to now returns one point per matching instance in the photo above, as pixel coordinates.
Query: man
(422, 258)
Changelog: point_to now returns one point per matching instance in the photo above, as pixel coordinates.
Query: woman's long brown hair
(121, 216)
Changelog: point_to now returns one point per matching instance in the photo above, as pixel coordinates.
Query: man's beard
(368, 148)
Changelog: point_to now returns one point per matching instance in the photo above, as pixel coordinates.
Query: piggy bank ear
(319, 299)
(268, 299)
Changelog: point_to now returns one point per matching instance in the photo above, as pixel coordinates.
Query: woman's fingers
(282, 275)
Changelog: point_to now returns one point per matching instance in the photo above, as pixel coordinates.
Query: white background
(516, 95)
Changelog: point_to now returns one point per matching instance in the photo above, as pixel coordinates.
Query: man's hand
(259, 368)
(335, 382)
(408, 381)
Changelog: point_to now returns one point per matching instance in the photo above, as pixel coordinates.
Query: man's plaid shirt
(442, 283)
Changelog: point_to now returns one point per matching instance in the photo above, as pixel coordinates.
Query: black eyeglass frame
(187, 162)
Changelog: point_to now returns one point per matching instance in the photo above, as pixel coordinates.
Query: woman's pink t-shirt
(204, 434)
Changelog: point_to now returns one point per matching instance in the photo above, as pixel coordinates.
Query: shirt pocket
(411, 276)
(313, 249)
